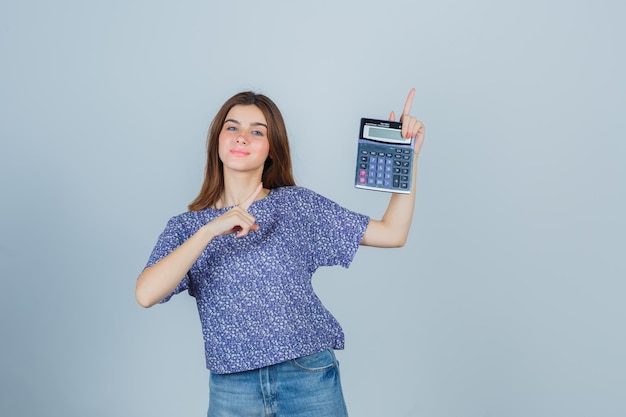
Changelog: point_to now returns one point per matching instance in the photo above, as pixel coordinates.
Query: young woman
(247, 249)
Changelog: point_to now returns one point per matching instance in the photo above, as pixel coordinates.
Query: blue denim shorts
(304, 387)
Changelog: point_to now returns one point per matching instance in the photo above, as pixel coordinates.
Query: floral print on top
(254, 294)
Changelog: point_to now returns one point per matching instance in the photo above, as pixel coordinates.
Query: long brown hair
(277, 171)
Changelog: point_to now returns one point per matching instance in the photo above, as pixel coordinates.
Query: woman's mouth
(239, 152)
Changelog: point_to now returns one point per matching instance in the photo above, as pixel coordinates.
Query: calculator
(384, 158)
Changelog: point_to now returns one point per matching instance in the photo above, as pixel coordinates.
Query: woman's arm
(393, 229)
(159, 280)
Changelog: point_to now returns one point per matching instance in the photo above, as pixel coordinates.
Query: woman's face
(243, 142)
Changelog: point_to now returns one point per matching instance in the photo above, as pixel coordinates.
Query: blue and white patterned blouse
(254, 294)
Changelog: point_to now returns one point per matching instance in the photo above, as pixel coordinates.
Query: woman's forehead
(246, 114)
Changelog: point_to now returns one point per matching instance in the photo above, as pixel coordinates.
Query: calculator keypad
(384, 167)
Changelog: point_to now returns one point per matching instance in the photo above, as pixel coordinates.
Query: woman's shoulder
(300, 199)
(191, 218)
(295, 192)
(290, 190)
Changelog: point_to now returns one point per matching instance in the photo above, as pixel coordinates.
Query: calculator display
(384, 157)
(386, 133)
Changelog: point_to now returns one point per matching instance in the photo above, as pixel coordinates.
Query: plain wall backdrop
(507, 301)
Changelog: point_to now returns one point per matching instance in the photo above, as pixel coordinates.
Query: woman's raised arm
(393, 229)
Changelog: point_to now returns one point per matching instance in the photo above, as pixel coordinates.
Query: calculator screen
(386, 133)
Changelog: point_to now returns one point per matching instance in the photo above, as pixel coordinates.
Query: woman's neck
(238, 189)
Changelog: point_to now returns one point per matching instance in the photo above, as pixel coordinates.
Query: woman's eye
(257, 133)
(231, 128)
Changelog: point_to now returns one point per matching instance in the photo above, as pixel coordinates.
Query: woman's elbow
(143, 298)
(396, 238)
(397, 243)
(145, 303)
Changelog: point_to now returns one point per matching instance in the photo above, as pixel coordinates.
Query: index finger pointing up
(409, 102)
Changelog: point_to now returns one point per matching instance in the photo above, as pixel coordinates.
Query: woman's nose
(241, 138)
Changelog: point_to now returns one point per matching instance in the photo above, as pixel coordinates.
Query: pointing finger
(407, 105)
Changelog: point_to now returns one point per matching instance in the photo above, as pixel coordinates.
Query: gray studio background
(507, 301)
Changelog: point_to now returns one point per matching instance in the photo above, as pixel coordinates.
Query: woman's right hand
(160, 279)
(236, 220)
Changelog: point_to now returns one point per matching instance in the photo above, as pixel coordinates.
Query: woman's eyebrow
(251, 124)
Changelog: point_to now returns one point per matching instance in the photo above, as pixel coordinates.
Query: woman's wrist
(207, 234)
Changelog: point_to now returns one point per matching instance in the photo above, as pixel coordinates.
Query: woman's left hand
(411, 127)
(393, 229)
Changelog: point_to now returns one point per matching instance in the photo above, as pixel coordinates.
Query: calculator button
(384, 167)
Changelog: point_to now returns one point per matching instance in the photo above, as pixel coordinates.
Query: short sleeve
(337, 232)
(170, 239)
